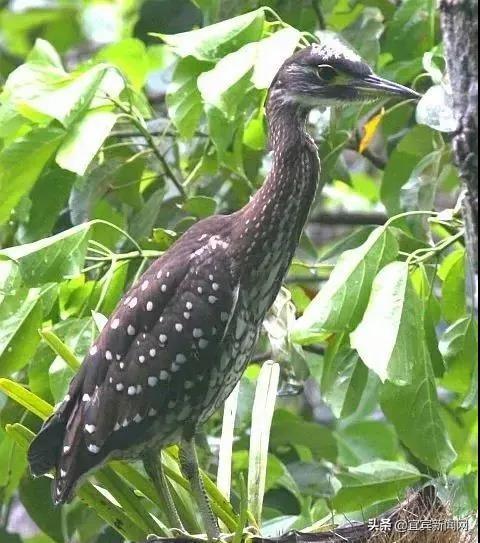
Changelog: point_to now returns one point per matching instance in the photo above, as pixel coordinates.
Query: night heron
(179, 340)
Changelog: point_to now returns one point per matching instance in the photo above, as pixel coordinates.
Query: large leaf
(435, 109)
(341, 302)
(84, 139)
(344, 378)
(21, 317)
(414, 410)
(416, 144)
(368, 483)
(365, 441)
(213, 42)
(390, 338)
(22, 162)
(452, 272)
(41, 88)
(51, 259)
(459, 347)
(183, 97)
(290, 429)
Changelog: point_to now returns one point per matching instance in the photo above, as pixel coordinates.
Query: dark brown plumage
(180, 339)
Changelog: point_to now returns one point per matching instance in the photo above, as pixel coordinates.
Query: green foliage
(112, 145)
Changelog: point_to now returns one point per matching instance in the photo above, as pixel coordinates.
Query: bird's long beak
(373, 84)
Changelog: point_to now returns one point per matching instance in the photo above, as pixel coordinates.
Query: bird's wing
(147, 365)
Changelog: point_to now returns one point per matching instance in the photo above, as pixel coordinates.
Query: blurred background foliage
(122, 124)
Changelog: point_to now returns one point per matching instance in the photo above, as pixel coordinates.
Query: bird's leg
(189, 464)
(153, 467)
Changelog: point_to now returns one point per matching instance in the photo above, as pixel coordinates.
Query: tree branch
(459, 20)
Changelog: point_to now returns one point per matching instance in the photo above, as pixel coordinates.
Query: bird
(179, 340)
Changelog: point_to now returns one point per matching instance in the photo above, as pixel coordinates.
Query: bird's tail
(54, 448)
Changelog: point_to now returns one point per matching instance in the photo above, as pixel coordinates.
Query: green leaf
(344, 378)
(453, 300)
(224, 85)
(21, 317)
(408, 33)
(22, 162)
(84, 139)
(45, 210)
(366, 440)
(164, 238)
(60, 348)
(271, 53)
(41, 91)
(200, 206)
(416, 144)
(290, 429)
(183, 98)
(26, 398)
(372, 482)
(14, 464)
(406, 405)
(130, 57)
(314, 479)
(341, 302)
(213, 42)
(47, 517)
(459, 347)
(394, 315)
(51, 259)
(435, 109)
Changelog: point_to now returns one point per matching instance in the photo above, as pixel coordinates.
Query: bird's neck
(273, 220)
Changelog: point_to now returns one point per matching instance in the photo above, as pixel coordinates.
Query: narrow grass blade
(28, 399)
(263, 407)
(224, 473)
(59, 347)
(105, 509)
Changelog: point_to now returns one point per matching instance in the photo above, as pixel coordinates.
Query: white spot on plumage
(138, 389)
(118, 356)
(66, 449)
(141, 359)
(174, 367)
(224, 316)
(199, 290)
(62, 473)
(186, 315)
(114, 324)
(133, 302)
(116, 427)
(144, 285)
(152, 381)
(90, 428)
(152, 412)
(178, 327)
(202, 343)
(121, 365)
(159, 274)
(108, 355)
(152, 352)
(93, 448)
(119, 387)
(131, 390)
(162, 338)
(163, 375)
(125, 422)
(197, 332)
(163, 288)
(188, 384)
(180, 358)
(189, 305)
(86, 397)
(130, 330)
(215, 286)
(93, 350)
(212, 299)
(127, 300)
(137, 418)
(149, 305)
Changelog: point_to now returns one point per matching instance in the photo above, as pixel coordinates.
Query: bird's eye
(326, 73)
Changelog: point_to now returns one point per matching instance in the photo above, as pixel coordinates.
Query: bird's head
(331, 74)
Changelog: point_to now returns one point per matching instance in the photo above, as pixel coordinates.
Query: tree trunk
(459, 20)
